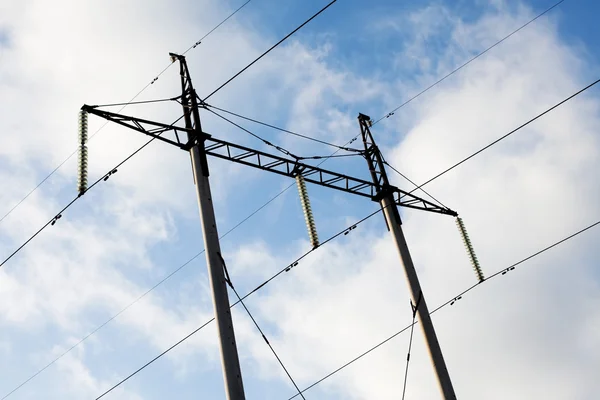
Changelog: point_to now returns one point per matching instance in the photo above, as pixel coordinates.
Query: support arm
(270, 162)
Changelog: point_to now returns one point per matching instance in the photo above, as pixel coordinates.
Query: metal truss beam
(147, 127)
(273, 163)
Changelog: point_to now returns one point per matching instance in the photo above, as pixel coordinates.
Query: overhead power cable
(228, 280)
(411, 181)
(158, 284)
(410, 341)
(507, 135)
(121, 109)
(130, 103)
(265, 141)
(269, 50)
(468, 62)
(503, 271)
(136, 300)
(58, 216)
(154, 359)
(279, 148)
(215, 28)
(99, 327)
(259, 287)
(51, 222)
(286, 130)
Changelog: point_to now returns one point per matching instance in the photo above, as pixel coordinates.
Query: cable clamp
(291, 266)
(454, 300)
(114, 171)
(227, 278)
(507, 270)
(349, 229)
(56, 218)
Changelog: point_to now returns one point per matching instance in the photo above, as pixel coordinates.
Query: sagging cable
(83, 153)
(308, 215)
(470, 250)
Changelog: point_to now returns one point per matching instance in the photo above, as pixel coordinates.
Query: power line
(411, 181)
(259, 287)
(286, 130)
(163, 280)
(468, 62)
(158, 284)
(449, 302)
(154, 359)
(410, 341)
(129, 103)
(171, 274)
(451, 73)
(99, 327)
(507, 135)
(121, 109)
(59, 214)
(216, 27)
(269, 50)
(265, 141)
(279, 148)
(228, 280)
(333, 154)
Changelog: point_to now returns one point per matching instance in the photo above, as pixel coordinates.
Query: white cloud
(522, 194)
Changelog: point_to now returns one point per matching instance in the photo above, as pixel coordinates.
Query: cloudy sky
(532, 333)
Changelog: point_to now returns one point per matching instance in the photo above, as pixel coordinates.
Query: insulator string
(308, 215)
(470, 251)
(83, 153)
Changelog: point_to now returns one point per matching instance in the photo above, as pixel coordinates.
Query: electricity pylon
(392, 216)
(200, 145)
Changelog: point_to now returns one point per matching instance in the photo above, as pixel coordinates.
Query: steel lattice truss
(268, 162)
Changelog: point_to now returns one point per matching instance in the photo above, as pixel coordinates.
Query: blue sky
(125, 235)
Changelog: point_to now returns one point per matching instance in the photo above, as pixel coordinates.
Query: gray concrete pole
(393, 219)
(234, 387)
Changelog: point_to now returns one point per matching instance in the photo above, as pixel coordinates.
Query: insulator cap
(470, 251)
(308, 215)
(82, 171)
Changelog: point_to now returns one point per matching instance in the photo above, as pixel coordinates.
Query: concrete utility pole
(392, 217)
(234, 387)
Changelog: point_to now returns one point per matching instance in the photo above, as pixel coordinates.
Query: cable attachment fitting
(454, 300)
(225, 272)
(114, 171)
(291, 266)
(83, 153)
(308, 215)
(350, 229)
(56, 218)
(507, 270)
(470, 251)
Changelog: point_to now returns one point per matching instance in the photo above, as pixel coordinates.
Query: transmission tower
(192, 139)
